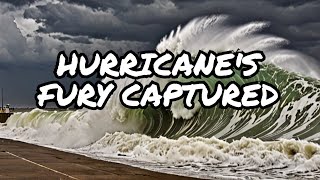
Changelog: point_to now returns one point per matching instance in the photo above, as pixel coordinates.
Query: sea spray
(214, 33)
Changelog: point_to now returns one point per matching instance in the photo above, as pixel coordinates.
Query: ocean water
(278, 142)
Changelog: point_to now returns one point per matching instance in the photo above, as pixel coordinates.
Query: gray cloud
(27, 56)
(19, 2)
(80, 20)
(149, 20)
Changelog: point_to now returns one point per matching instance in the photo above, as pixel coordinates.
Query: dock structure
(4, 117)
(4, 111)
(20, 160)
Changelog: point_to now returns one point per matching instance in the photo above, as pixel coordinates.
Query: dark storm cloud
(86, 21)
(18, 2)
(120, 5)
(130, 24)
(291, 2)
(142, 1)
(149, 20)
(82, 40)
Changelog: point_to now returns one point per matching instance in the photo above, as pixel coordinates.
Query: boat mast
(2, 98)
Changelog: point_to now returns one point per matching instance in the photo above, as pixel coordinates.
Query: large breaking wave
(206, 139)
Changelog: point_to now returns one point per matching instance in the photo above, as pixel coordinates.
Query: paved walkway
(25, 161)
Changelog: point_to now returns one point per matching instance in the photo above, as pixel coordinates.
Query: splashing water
(213, 33)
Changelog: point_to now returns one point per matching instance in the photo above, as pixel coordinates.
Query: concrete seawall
(20, 160)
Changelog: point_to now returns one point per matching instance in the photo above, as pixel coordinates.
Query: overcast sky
(33, 32)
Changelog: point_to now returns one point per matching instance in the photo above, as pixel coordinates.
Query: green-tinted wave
(296, 115)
